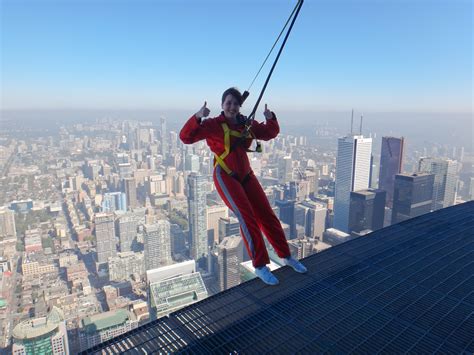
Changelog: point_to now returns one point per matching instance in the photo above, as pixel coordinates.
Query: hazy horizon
(437, 128)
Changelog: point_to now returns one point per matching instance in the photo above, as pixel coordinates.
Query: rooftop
(411, 175)
(337, 232)
(34, 328)
(405, 288)
(367, 192)
(230, 242)
(175, 292)
(105, 320)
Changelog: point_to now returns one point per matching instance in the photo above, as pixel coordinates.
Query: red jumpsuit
(242, 193)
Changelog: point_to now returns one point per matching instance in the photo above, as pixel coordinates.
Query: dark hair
(235, 93)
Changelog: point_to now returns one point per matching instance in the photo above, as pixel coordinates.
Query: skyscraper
(125, 171)
(471, 188)
(352, 174)
(301, 248)
(374, 171)
(229, 257)
(105, 236)
(287, 215)
(197, 215)
(163, 138)
(312, 216)
(285, 170)
(228, 226)
(367, 210)
(445, 181)
(173, 143)
(412, 196)
(156, 184)
(178, 239)
(312, 177)
(7, 223)
(125, 264)
(214, 213)
(151, 162)
(192, 163)
(391, 164)
(114, 201)
(126, 226)
(178, 184)
(157, 244)
(291, 191)
(91, 169)
(45, 335)
(130, 189)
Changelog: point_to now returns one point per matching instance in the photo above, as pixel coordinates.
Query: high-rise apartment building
(163, 138)
(214, 213)
(157, 244)
(229, 257)
(125, 264)
(126, 227)
(130, 189)
(105, 236)
(7, 223)
(285, 170)
(197, 215)
(114, 201)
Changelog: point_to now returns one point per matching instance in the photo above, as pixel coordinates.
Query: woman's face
(231, 107)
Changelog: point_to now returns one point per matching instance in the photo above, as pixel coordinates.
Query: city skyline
(74, 198)
(395, 55)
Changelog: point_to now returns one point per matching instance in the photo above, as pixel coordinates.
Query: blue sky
(373, 55)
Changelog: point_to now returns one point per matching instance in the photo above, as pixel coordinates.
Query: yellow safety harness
(219, 159)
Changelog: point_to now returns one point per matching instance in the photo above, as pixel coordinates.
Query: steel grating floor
(405, 288)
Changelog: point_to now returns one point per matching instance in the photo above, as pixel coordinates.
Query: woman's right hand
(203, 112)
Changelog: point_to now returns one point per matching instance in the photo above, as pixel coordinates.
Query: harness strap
(219, 159)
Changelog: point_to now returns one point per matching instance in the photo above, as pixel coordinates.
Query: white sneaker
(266, 275)
(295, 264)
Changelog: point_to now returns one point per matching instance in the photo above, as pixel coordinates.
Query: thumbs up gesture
(203, 112)
(267, 113)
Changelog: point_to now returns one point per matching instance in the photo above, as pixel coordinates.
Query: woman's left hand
(267, 113)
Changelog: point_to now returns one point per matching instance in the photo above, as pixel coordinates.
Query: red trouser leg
(234, 196)
(268, 222)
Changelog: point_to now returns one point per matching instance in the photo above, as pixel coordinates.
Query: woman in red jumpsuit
(235, 181)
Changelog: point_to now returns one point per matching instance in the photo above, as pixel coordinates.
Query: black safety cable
(249, 119)
(246, 92)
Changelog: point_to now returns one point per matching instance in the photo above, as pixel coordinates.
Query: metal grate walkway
(405, 288)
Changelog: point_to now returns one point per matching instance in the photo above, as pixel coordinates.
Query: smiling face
(231, 107)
